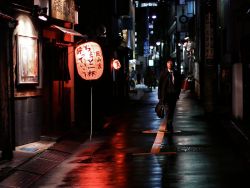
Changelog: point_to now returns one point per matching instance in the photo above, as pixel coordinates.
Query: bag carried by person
(160, 110)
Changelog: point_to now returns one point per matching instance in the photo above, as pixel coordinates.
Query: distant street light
(154, 17)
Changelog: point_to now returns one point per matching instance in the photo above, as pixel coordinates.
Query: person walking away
(132, 80)
(138, 78)
(169, 89)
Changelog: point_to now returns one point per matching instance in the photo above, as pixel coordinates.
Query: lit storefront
(43, 68)
(59, 39)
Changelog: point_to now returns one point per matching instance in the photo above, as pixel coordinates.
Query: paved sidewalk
(33, 160)
(22, 154)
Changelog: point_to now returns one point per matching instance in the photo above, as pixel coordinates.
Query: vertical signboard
(209, 31)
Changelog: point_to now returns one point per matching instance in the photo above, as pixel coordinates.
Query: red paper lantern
(116, 64)
(89, 60)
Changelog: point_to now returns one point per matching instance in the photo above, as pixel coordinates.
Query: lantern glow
(116, 64)
(89, 60)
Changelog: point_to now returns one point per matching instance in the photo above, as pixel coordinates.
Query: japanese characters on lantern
(89, 60)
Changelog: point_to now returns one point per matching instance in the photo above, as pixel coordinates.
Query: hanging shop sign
(89, 60)
(63, 10)
(116, 64)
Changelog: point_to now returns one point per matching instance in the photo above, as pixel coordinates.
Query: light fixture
(154, 16)
(42, 17)
(158, 43)
(116, 64)
(40, 12)
(89, 60)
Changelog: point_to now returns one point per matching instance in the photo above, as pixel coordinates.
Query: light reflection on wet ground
(190, 158)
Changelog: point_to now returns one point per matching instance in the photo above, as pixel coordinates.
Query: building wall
(28, 111)
(28, 120)
(233, 34)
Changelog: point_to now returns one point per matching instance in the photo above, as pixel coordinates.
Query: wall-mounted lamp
(42, 15)
(40, 12)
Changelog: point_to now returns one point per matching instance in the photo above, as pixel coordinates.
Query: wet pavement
(136, 150)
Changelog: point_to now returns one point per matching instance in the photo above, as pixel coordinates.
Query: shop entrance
(56, 94)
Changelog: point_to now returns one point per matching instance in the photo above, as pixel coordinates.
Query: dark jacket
(166, 90)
